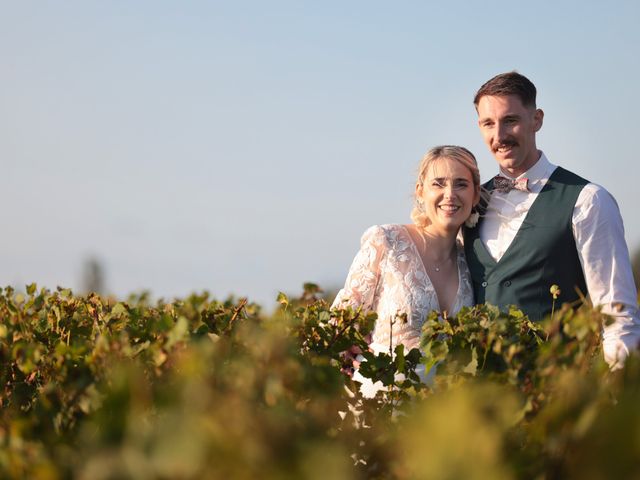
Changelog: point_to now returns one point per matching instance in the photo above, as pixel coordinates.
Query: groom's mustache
(504, 144)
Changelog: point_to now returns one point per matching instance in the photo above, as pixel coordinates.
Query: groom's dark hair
(510, 83)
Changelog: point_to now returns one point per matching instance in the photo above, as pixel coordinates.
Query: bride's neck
(440, 243)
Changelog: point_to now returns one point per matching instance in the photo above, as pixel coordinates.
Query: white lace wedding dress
(388, 276)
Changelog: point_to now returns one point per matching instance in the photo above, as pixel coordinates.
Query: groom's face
(509, 130)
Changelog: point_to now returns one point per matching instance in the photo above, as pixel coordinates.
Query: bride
(416, 268)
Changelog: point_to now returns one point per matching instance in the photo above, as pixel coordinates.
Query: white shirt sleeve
(599, 234)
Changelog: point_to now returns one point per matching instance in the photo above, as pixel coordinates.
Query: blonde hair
(453, 152)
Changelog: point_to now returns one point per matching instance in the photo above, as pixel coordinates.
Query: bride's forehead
(446, 168)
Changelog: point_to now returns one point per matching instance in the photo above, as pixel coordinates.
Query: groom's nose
(500, 132)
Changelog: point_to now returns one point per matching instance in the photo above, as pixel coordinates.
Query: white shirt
(599, 235)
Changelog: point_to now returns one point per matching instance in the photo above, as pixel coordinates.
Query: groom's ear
(538, 117)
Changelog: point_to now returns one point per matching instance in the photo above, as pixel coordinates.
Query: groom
(544, 225)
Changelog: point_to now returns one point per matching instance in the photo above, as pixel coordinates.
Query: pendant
(437, 269)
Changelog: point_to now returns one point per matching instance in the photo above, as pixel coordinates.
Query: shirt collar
(538, 173)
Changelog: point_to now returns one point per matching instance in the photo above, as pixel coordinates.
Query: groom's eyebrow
(508, 116)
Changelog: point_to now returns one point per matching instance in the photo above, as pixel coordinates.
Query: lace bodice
(388, 276)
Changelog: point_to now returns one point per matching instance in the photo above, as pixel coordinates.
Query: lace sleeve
(360, 286)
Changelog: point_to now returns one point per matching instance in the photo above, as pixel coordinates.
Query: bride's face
(448, 195)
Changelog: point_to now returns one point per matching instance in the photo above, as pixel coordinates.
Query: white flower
(472, 220)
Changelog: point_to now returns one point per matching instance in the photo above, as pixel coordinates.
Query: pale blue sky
(243, 147)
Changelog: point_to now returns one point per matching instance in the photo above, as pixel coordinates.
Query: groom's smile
(504, 148)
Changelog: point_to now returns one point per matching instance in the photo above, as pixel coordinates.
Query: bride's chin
(447, 228)
(453, 221)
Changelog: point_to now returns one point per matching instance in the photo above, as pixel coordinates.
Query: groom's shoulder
(568, 177)
(598, 196)
(591, 193)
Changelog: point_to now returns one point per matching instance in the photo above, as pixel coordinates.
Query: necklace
(424, 243)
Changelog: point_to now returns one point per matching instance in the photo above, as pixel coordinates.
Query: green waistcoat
(542, 253)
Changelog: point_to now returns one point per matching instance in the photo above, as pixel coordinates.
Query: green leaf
(282, 299)
(472, 366)
(118, 309)
(437, 349)
(413, 356)
(178, 332)
(56, 311)
(31, 288)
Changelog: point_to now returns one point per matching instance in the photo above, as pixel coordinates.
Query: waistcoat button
(484, 284)
(507, 283)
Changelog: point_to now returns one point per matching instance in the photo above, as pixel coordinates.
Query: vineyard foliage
(94, 388)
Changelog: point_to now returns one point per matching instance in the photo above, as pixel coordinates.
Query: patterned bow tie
(505, 185)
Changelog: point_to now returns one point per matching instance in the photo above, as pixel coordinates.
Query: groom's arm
(599, 234)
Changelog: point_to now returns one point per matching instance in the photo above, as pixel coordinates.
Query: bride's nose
(448, 191)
